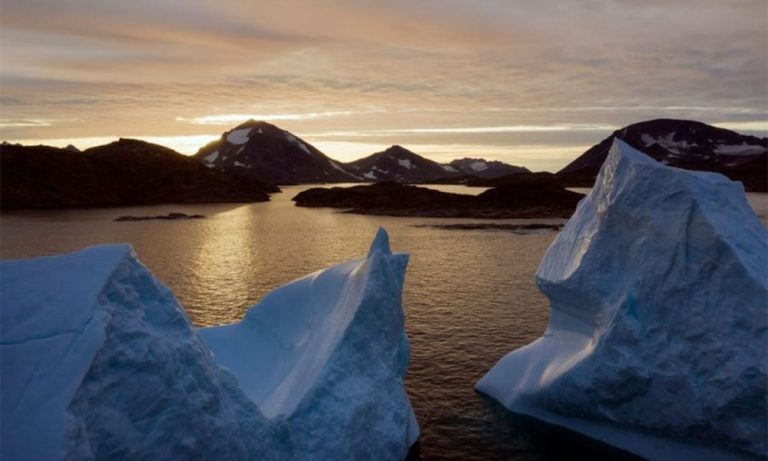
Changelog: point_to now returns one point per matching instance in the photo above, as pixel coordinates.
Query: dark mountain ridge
(262, 150)
(125, 172)
(402, 165)
(485, 168)
(397, 164)
(684, 144)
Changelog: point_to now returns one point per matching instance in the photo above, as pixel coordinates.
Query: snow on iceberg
(657, 340)
(99, 360)
(328, 352)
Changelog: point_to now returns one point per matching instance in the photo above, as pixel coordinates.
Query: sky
(529, 82)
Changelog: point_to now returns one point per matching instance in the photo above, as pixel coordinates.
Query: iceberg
(328, 352)
(98, 360)
(658, 334)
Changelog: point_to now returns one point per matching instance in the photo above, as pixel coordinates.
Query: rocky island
(527, 195)
(166, 217)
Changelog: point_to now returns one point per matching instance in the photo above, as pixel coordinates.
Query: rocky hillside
(125, 172)
(264, 151)
(684, 144)
(485, 168)
(398, 164)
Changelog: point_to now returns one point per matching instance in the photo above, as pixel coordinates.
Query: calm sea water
(469, 297)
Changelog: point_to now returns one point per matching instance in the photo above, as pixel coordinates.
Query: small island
(167, 217)
(525, 195)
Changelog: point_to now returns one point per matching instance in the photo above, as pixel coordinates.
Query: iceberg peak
(324, 346)
(380, 243)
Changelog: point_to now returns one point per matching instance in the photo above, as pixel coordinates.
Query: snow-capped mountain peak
(684, 144)
(396, 163)
(485, 168)
(261, 150)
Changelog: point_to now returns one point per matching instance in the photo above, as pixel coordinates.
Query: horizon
(533, 84)
(189, 145)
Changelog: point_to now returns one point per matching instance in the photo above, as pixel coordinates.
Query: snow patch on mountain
(238, 137)
(406, 163)
(338, 167)
(479, 166)
(667, 142)
(740, 149)
(210, 158)
(292, 139)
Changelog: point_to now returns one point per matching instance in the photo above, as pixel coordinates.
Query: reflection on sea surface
(470, 295)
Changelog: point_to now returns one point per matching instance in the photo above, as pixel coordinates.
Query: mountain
(684, 144)
(264, 151)
(402, 165)
(125, 172)
(398, 164)
(485, 168)
(261, 150)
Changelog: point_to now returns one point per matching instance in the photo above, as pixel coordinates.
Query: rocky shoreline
(530, 196)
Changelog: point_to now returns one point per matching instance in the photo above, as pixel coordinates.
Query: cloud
(6, 123)
(230, 119)
(448, 71)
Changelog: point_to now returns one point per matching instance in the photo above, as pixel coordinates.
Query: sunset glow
(500, 79)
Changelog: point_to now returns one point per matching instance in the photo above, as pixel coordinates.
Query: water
(469, 297)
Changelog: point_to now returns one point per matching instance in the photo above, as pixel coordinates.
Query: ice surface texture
(328, 353)
(99, 360)
(659, 305)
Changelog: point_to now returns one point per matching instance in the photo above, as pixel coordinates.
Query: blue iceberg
(329, 352)
(99, 360)
(658, 333)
